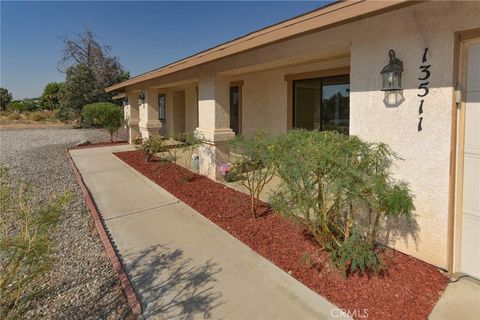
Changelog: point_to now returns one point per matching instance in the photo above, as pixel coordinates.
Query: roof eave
(333, 15)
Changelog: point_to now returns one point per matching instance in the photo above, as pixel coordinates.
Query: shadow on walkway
(171, 285)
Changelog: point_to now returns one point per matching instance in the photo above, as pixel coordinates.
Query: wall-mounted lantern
(392, 73)
(125, 102)
(141, 97)
(392, 81)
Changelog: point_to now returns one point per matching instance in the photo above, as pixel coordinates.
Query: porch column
(131, 116)
(214, 123)
(149, 121)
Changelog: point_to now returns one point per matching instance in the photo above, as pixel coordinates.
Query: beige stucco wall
(191, 108)
(426, 153)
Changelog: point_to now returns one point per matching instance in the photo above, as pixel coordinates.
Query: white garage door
(470, 254)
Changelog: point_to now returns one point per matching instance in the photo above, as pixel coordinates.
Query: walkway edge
(106, 242)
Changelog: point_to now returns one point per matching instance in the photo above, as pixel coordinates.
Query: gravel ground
(82, 284)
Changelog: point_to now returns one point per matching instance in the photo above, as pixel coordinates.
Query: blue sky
(144, 35)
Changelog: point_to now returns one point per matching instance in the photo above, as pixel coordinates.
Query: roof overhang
(340, 12)
(119, 96)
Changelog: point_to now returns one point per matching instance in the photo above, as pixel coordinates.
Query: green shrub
(253, 163)
(154, 144)
(26, 244)
(340, 188)
(103, 114)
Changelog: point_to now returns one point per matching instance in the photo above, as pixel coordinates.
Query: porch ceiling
(282, 63)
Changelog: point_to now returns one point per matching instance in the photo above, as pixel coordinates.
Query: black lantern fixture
(392, 73)
(141, 96)
(125, 101)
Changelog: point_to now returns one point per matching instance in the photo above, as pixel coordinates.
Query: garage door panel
(471, 195)
(471, 240)
(470, 254)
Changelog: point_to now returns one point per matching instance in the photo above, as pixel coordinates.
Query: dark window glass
(234, 108)
(322, 104)
(161, 106)
(308, 95)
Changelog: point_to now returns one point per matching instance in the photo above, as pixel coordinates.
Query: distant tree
(5, 98)
(89, 68)
(51, 95)
(79, 90)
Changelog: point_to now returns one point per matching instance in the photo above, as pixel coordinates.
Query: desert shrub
(36, 116)
(103, 114)
(14, 116)
(252, 161)
(340, 188)
(150, 146)
(26, 244)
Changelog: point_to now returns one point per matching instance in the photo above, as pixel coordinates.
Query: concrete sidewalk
(182, 265)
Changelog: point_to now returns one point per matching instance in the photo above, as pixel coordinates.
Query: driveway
(182, 265)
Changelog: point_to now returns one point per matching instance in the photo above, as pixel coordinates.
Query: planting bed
(408, 290)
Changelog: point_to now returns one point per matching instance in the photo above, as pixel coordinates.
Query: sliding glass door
(322, 104)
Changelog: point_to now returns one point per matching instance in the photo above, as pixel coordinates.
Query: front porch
(240, 101)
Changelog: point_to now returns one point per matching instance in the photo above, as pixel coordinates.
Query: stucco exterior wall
(191, 108)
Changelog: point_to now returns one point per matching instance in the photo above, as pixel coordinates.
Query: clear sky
(144, 35)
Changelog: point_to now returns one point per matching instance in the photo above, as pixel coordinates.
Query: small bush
(254, 164)
(26, 244)
(103, 114)
(340, 189)
(357, 254)
(150, 146)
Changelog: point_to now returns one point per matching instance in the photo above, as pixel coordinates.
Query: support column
(149, 121)
(131, 116)
(214, 124)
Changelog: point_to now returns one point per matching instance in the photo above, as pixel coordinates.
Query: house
(403, 73)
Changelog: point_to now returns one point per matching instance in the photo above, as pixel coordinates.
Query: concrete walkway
(461, 300)
(182, 265)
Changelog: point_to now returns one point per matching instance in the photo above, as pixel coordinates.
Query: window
(322, 104)
(161, 106)
(235, 112)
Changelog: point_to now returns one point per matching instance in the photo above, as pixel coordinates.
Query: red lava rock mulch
(409, 290)
(99, 144)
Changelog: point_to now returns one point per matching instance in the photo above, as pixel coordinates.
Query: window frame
(239, 85)
(323, 80)
(162, 117)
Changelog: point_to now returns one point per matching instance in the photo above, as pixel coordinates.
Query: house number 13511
(423, 87)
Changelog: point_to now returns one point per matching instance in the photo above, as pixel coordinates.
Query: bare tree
(85, 55)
